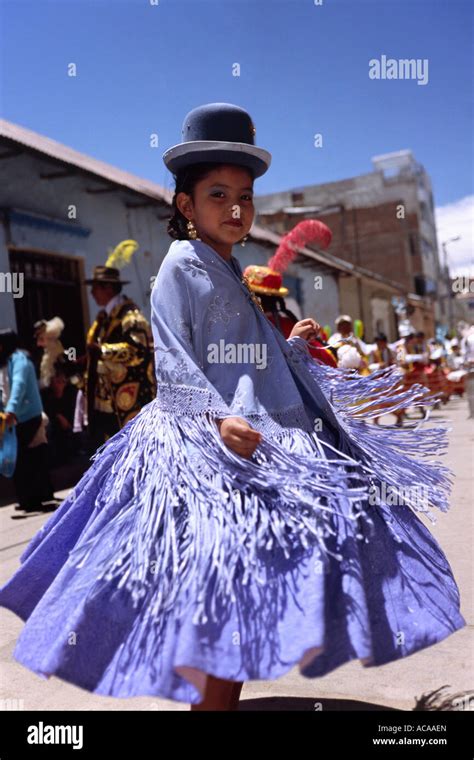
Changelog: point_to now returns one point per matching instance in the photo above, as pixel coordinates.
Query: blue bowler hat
(218, 133)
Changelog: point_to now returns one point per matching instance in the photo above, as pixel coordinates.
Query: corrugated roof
(71, 157)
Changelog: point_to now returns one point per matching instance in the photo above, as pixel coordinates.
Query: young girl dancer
(248, 519)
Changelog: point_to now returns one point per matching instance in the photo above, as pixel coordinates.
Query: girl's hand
(239, 436)
(305, 328)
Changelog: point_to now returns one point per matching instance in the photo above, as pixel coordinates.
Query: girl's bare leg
(220, 694)
(236, 691)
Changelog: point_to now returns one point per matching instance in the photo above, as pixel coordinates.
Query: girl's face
(223, 210)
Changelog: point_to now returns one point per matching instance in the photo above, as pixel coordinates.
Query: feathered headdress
(307, 231)
(122, 254)
(268, 280)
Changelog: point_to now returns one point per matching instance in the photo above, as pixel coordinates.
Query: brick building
(383, 222)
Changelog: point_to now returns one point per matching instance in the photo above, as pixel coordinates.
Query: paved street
(350, 687)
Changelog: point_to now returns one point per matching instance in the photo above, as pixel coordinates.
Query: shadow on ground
(62, 477)
(304, 704)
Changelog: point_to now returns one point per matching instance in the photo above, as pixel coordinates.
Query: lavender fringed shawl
(203, 519)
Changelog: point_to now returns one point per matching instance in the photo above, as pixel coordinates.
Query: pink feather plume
(307, 231)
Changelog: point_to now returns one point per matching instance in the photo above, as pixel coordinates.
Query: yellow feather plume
(122, 254)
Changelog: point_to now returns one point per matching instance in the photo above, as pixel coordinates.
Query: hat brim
(217, 151)
(269, 291)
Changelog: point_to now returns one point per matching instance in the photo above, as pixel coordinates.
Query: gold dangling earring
(192, 232)
(242, 242)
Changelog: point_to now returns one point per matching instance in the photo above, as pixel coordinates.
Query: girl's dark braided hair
(185, 182)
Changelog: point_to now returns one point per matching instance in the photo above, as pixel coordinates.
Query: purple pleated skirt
(374, 595)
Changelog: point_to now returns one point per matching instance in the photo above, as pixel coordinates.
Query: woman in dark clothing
(59, 401)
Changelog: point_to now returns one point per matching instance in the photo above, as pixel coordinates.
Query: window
(53, 286)
(425, 214)
(426, 248)
(424, 286)
(297, 198)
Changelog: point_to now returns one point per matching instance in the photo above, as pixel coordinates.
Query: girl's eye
(221, 192)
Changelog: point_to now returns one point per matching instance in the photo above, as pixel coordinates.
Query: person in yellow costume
(119, 378)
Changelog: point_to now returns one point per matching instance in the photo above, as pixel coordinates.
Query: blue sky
(303, 70)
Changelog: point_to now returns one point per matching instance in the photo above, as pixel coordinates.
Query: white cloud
(457, 219)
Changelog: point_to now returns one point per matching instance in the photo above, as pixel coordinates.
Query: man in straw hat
(119, 378)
